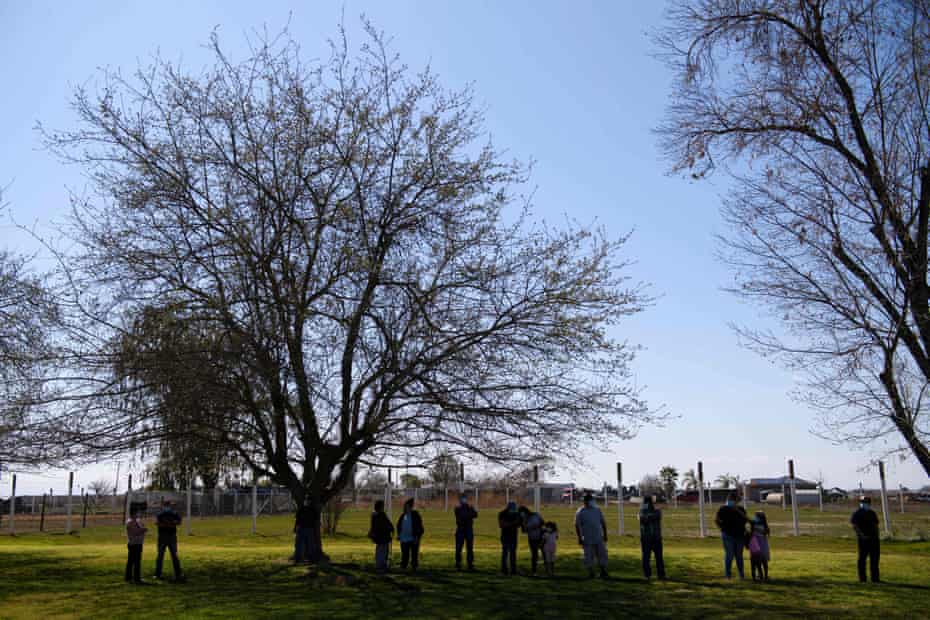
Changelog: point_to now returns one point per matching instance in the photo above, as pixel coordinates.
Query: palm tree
(669, 477)
(689, 480)
(728, 481)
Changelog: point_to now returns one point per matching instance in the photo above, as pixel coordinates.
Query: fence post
(42, 517)
(128, 499)
(84, 507)
(507, 495)
(389, 498)
(536, 488)
(701, 499)
(70, 489)
(216, 501)
(13, 507)
(254, 507)
(886, 518)
(794, 498)
(820, 494)
(900, 496)
(784, 496)
(620, 524)
(446, 489)
(461, 477)
(188, 528)
(476, 497)
(745, 496)
(571, 497)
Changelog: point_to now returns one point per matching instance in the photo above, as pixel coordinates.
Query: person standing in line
(550, 543)
(135, 538)
(381, 532)
(409, 532)
(650, 537)
(509, 521)
(865, 523)
(592, 535)
(759, 547)
(532, 525)
(465, 516)
(732, 521)
(303, 531)
(168, 521)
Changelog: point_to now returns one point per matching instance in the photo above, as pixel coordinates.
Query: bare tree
(822, 109)
(28, 315)
(361, 248)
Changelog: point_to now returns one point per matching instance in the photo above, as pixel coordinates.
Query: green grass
(232, 574)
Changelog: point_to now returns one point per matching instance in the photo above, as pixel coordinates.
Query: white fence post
(746, 496)
(900, 496)
(446, 489)
(701, 499)
(389, 498)
(13, 507)
(70, 489)
(820, 495)
(886, 517)
(620, 527)
(794, 499)
(128, 499)
(189, 506)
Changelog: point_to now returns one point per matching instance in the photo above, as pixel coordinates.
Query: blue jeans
(302, 544)
(464, 538)
(171, 544)
(509, 552)
(732, 549)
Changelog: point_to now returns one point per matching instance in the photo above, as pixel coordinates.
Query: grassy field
(232, 574)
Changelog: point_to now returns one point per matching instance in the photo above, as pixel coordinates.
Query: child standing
(135, 536)
(550, 538)
(381, 533)
(759, 547)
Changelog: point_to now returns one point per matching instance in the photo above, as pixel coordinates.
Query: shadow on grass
(242, 586)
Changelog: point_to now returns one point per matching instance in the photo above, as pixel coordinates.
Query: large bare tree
(360, 245)
(821, 109)
(28, 314)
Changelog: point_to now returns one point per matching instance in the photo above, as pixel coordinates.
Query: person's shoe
(604, 574)
(157, 577)
(471, 568)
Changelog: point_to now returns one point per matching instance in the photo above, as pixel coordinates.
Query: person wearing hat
(509, 520)
(168, 521)
(865, 523)
(650, 537)
(465, 517)
(409, 532)
(592, 535)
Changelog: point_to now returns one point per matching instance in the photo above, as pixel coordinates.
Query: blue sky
(570, 85)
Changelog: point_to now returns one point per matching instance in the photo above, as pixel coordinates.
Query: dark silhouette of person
(732, 521)
(650, 537)
(509, 521)
(865, 523)
(465, 516)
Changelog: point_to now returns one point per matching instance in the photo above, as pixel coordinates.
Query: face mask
(864, 506)
(463, 501)
(730, 503)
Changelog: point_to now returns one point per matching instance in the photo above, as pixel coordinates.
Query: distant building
(759, 488)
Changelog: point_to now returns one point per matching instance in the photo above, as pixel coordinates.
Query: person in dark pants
(533, 526)
(465, 517)
(168, 521)
(135, 537)
(409, 533)
(865, 523)
(381, 532)
(732, 521)
(650, 537)
(303, 530)
(509, 521)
